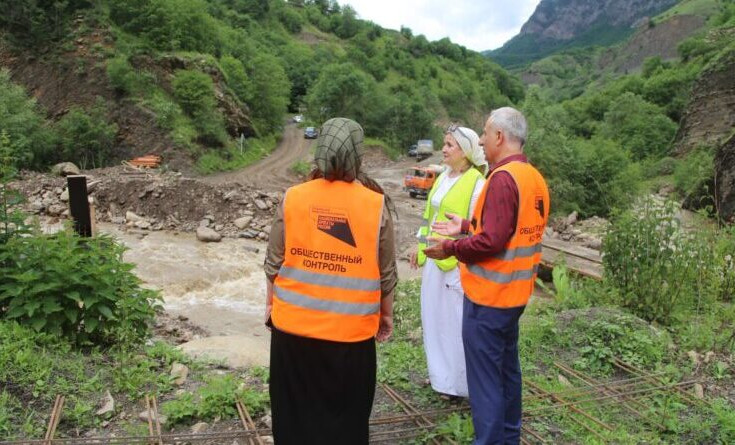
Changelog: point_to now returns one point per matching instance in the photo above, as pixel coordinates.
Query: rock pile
(164, 201)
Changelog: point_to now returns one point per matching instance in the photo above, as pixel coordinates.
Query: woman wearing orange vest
(331, 272)
(499, 263)
(455, 191)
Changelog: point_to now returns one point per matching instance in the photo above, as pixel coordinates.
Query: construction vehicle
(424, 149)
(420, 179)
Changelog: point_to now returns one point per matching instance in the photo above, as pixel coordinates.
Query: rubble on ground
(158, 201)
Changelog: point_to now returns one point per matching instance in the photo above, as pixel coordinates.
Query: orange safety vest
(506, 279)
(329, 284)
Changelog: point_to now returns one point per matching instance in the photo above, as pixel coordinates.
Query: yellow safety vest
(457, 201)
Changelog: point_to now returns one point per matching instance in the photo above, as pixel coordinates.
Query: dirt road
(273, 172)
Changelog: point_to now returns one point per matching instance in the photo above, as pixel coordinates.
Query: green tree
(271, 92)
(340, 90)
(21, 118)
(639, 126)
(31, 23)
(87, 138)
(194, 91)
(237, 78)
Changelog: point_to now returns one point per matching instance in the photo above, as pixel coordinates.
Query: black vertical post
(79, 204)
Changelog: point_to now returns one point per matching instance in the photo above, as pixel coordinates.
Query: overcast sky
(477, 24)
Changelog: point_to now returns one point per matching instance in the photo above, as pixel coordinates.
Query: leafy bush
(602, 336)
(216, 399)
(659, 269)
(87, 138)
(12, 224)
(75, 287)
(692, 172)
(31, 143)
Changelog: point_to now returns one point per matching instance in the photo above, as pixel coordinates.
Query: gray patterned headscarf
(338, 150)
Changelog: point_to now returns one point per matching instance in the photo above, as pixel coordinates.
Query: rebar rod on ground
(573, 407)
(605, 389)
(408, 409)
(532, 433)
(632, 382)
(595, 399)
(627, 367)
(55, 418)
(248, 421)
(157, 420)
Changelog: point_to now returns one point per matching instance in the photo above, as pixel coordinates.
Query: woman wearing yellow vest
(455, 191)
(331, 272)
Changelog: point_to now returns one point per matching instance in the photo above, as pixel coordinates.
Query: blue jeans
(490, 337)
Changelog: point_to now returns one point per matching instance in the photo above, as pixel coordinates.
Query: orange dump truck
(419, 180)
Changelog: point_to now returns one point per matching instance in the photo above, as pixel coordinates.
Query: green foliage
(233, 158)
(457, 427)
(170, 25)
(659, 270)
(33, 23)
(86, 137)
(271, 92)
(31, 143)
(694, 171)
(237, 78)
(215, 400)
(194, 92)
(301, 167)
(602, 339)
(12, 223)
(79, 288)
(639, 126)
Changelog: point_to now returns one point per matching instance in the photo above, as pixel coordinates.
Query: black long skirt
(321, 391)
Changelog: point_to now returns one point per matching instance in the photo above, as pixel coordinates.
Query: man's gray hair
(511, 122)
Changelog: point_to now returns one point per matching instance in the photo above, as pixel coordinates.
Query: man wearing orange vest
(499, 263)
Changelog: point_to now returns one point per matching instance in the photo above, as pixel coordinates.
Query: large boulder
(65, 169)
(725, 180)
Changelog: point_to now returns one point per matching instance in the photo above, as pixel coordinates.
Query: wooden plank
(582, 260)
(573, 249)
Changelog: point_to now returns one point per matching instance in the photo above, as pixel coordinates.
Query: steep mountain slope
(189, 78)
(560, 24)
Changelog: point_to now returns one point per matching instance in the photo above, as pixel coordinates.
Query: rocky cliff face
(725, 180)
(563, 24)
(709, 118)
(566, 19)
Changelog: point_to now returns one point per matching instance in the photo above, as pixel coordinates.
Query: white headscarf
(469, 142)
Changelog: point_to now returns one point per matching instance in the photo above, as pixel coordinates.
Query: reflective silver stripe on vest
(519, 252)
(318, 304)
(321, 279)
(502, 278)
(423, 240)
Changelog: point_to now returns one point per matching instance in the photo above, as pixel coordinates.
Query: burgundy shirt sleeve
(499, 216)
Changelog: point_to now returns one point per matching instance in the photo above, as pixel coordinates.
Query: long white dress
(441, 313)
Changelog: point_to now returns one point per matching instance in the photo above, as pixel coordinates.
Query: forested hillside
(614, 133)
(187, 78)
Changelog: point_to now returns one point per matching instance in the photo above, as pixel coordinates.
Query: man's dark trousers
(490, 337)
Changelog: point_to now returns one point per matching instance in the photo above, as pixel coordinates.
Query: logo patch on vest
(335, 223)
(539, 205)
